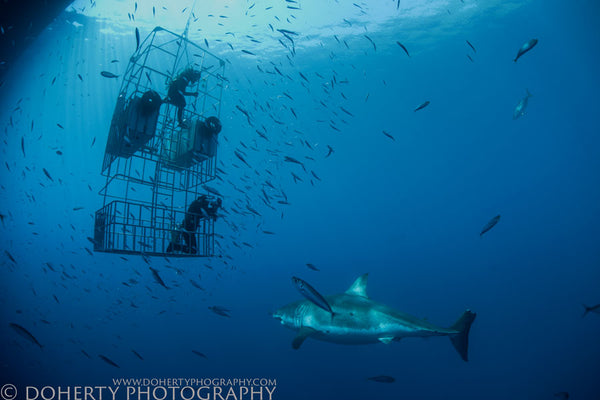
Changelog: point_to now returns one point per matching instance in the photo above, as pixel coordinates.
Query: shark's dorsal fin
(359, 287)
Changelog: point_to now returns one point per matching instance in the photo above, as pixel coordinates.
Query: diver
(176, 94)
(198, 210)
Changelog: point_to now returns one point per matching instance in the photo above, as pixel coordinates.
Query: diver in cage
(176, 94)
(198, 210)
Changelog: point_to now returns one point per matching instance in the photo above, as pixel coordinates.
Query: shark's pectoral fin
(386, 340)
(303, 333)
(297, 342)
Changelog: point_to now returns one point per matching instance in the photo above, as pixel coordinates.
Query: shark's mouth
(277, 315)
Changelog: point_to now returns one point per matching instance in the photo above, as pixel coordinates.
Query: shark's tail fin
(460, 340)
(587, 310)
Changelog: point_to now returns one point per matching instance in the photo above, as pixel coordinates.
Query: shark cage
(161, 150)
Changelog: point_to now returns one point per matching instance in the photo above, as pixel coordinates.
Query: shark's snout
(277, 315)
(282, 316)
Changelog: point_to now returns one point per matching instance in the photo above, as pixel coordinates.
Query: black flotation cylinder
(150, 103)
(213, 124)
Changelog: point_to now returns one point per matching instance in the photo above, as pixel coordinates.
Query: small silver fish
(491, 223)
(330, 151)
(522, 106)
(108, 361)
(137, 38)
(293, 160)
(25, 333)
(47, 174)
(530, 44)
(222, 311)
(382, 379)
(595, 309)
(388, 135)
(403, 48)
(311, 294)
(471, 46)
(199, 354)
(422, 106)
(107, 74)
(157, 278)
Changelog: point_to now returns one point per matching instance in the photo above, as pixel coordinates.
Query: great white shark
(356, 319)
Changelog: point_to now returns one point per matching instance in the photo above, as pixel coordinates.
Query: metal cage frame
(154, 157)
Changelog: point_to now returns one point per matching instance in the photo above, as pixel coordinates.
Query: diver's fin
(359, 287)
(460, 340)
(386, 340)
(303, 333)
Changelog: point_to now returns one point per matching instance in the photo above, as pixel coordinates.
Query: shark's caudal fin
(587, 310)
(460, 340)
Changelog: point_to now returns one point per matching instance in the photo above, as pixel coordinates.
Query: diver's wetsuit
(176, 94)
(199, 209)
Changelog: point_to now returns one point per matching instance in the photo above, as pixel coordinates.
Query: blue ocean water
(407, 210)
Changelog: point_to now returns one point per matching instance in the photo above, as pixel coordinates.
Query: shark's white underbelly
(344, 335)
